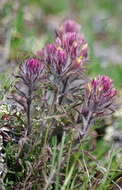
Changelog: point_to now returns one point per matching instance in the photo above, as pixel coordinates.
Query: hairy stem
(87, 123)
(63, 91)
(29, 101)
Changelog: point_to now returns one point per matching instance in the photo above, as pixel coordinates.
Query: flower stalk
(30, 74)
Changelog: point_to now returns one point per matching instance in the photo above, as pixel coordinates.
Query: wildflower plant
(65, 62)
(68, 100)
(30, 74)
(99, 100)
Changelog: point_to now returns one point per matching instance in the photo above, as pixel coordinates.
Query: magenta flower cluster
(31, 70)
(68, 53)
(68, 26)
(99, 96)
(103, 86)
(33, 66)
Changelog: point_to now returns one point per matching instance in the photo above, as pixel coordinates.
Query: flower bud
(68, 26)
(32, 69)
(99, 96)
